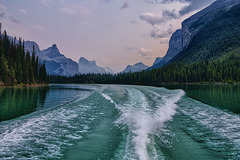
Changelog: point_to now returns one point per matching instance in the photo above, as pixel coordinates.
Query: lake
(120, 122)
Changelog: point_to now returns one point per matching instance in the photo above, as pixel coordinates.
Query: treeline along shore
(218, 71)
(19, 67)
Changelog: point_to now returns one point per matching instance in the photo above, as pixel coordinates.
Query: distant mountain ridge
(135, 68)
(220, 19)
(86, 67)
(56, 63)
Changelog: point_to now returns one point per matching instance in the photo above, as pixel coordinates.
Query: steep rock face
(175, 46)
(135, 68)
(86, 67)
(57, 63)
(181, 39)
(190, 29)
(29, 46)
(157, 60)
(52, 52)
(215, 39)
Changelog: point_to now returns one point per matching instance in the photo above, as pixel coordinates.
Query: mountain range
(206, 35)
(135, 68)
(56, 63)
(86, 67)
(210, 34)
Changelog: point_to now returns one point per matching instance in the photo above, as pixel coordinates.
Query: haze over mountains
(58, 64)
(135, 68)
(86, 67)
(206, 35)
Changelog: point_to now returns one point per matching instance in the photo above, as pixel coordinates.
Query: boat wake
(144, 121)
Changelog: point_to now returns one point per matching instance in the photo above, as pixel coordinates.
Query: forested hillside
(218, 37)
(224, 71)
(18, 67)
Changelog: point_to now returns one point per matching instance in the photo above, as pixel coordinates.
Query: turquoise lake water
(91, 122)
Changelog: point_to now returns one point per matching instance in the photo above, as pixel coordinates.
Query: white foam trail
(224, 125)
(45, 134)
(108, 98)
(142, 122)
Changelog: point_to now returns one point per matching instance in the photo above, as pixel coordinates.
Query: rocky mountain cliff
(56, 63)
(196, 26)
(135, 68)
(157, 60)
(29, 46)
(86, 67)
(175, 46)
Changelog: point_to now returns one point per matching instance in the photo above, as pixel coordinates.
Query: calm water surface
(120, 122)
(221, 96)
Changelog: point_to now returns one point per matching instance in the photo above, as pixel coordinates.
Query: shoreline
(199, 83)
(25, 86)
(158, 84)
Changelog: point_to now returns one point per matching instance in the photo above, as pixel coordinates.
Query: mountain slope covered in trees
(216, 38)
(17, 67)
(208, 34)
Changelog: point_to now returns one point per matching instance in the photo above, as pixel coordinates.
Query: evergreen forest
(218, 71)
(18, 67)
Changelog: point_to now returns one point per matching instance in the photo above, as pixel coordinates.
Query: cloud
(76, 10)
(168, 15)
(45, 2)
(68, 11)
(125, 5)
(24, 11)
(146, 53)
(152, 18)
(107, 1)
(159, 33)
(162, 1)
(194, 5)
(4, 14)
(38, 28)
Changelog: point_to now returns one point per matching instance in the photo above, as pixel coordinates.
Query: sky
(115, 33)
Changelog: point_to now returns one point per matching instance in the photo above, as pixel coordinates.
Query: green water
(88, 122)
(221, 96)
(15, 102)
